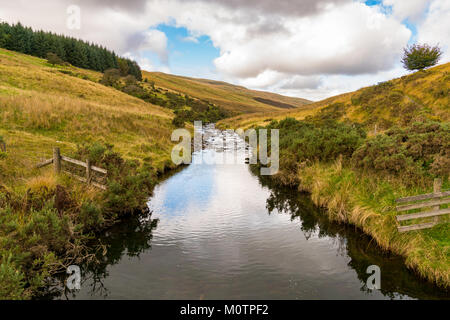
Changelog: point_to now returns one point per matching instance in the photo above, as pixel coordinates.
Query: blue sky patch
(188, 55)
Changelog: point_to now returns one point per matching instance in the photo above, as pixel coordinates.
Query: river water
(219, 231)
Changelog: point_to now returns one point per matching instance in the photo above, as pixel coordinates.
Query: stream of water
(219, 231)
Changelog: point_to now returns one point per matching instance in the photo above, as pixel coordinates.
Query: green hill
(421, 95)
(230, 97)
(44, 106)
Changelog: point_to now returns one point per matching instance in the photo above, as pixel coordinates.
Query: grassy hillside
(44, 218)
(418, 96)
(45, 106)
(230, 97)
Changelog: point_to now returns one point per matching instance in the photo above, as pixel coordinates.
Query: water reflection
(129, 239)
(397, 282)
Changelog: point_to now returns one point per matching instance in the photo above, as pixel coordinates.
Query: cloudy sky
(307, 48)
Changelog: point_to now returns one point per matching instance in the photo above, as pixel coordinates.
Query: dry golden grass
(42, 107)
(46, 180)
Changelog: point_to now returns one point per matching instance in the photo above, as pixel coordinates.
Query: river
(219, 231)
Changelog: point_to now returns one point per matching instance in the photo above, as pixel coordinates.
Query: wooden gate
(426, 206)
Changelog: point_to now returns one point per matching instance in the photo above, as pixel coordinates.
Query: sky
(311, 49)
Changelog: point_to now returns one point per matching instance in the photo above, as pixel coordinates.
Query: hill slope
(423, 94)
(230, 97)
(44, 106)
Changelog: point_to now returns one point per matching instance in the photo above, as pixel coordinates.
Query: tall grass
(368, 202)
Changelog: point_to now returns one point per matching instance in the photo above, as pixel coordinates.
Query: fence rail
(58, 158)
(434, 201)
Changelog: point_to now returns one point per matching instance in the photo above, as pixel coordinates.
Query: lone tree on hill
(420, 56)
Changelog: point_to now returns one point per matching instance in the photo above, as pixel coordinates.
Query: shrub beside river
(45, 229)
(358, 178)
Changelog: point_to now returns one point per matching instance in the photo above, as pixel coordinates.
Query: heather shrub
(90, 216)
(321, 140)
(12, 281)
(414, 151)
(129, 183)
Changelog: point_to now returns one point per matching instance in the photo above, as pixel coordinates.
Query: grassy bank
(358, 178)
(368, 202)
(46, 220)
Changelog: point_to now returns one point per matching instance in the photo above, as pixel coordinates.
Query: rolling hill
(230, 97)
(420, 95)
(43, 106)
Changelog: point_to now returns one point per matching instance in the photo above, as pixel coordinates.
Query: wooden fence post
(88, 171)
(437, 184)
(57, 160)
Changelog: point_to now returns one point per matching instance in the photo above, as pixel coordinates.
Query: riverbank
(359, 177)
(49, 221)
(367, 201)
(46, 219)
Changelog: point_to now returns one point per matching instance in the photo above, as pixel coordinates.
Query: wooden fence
(432, 205)
(90, 169)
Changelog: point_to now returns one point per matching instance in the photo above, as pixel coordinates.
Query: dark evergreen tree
(78, 53)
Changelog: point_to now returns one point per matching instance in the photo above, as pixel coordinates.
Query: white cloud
(407, 9)
(325, 86)
(155, 41)
(263, 80)
(353, 40)
(284, 53)
(146, 64)
(435, 29)
(119, 30)
(190, 39)
(302, 82)
(284, 7)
